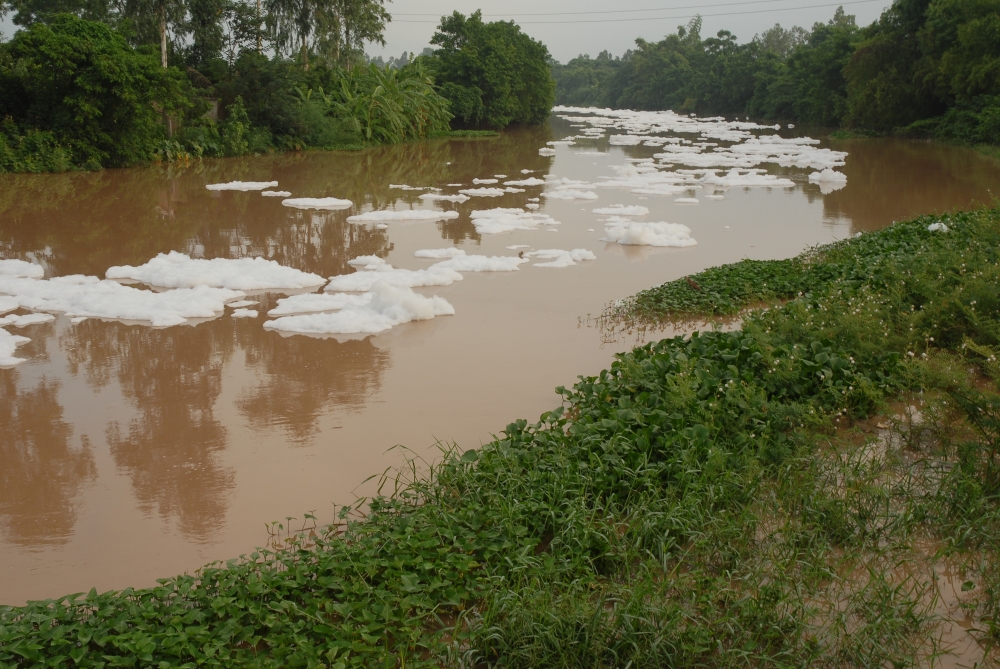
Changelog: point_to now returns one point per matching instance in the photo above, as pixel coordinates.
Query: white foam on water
(88, 296)
(687, 200)
(276, 193)
(530, 181)
(828, 176)
(499, 220)
(381, 226)
(244, 313)
(465, 263)
(518, 246)
(405, 187)
(389, 306)
(528, 171)
(363, 280)
(510, 189)
(21, 268)
(648, 234)
(366, 262)
(937, 227)
(546, 152)
(25, 320)
(500, 176)
(570, 194)
(8, 343)
(404, 215)
(532, 205)
(715, 196)
(482, 192)
(315, 302)
(317, 203)
(444, 198)
(559, 258)
(178, 270)
(622, 210)
(454, 185)
(438, 254)
(749, 179)
(7, 304)
(242, 185)
(533, 199)
(239, 304)
(484, 181)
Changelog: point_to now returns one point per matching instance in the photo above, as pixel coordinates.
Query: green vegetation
(91, 83)
(725, 499)
(492, 74)
(926, 68)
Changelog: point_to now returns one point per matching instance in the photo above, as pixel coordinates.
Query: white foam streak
(178, 270)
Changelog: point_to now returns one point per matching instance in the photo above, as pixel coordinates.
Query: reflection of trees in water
(889, 180)
(86, 222)
(173, 377)
(303, 377)
(40, 473)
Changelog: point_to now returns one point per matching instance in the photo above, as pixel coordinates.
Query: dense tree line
(924, 68)
(92, 83)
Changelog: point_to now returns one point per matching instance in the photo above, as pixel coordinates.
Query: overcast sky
(573, 27)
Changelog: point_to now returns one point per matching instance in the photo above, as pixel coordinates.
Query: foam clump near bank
(178, 270)
(389, 306)
(480, 263)
(244, 313)
(482, 192)
(405, 215)
(530, 181)
(87, 296)
(622, 210)
(439, 254)
(630, 233)
(317, 203)
(8, 344)
(500, 220)
(276, 193)
(559, 258)
(21, 268)
(242, 185)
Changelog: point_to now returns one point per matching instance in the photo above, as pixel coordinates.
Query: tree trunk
(163, 36)
(305, 53)
(259, 49)
(336, 53)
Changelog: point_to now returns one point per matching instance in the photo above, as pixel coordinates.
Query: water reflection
(937, 178)
(41, 471)
(302, 378)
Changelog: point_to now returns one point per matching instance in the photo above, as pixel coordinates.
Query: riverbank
(800, 492)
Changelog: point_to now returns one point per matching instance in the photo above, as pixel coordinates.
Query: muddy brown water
(129, 453)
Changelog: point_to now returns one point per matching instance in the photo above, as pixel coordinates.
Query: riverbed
(130, 452)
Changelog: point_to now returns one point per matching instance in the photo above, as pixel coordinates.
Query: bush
(82, 82)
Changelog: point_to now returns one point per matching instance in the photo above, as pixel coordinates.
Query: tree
(492, 73)
(344, 26)
(82, 81)
(151, 21)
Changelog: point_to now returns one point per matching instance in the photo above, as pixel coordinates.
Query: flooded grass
(820, 488)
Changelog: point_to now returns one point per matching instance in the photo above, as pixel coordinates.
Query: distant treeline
(926, 68)
(109, 83)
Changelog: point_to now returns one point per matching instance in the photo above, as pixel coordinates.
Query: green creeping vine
(693, 505)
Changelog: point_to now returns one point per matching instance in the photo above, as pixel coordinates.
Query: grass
(820, 488)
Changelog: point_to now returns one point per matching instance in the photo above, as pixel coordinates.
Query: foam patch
(622, 210)
(8, 343)
(648, 234)
(21, 268)
(178, 270)
(243, 185)
(404, 215)
(317, 203)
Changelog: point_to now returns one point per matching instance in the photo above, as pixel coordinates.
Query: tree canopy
(493, 74)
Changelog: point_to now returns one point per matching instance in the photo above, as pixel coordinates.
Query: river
(129, 452)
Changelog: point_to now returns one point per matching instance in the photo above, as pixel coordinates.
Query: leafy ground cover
(819, 488)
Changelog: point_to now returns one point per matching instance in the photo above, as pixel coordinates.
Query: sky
(573, 27)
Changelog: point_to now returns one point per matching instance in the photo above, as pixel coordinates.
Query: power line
(612, 11)
(680, 16)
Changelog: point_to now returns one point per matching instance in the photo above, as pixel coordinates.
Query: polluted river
(189, 352)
